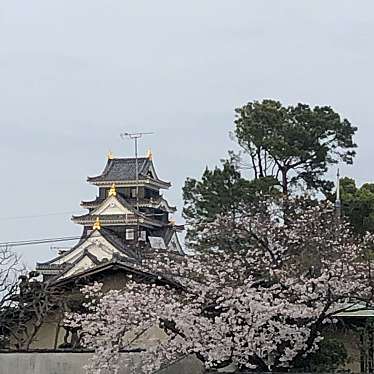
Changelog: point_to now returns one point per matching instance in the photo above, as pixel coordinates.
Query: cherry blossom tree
(11, 268)
(26, 303)
(260, 298)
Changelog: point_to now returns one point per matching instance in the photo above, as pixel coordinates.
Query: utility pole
(338, 203)
(135, 136)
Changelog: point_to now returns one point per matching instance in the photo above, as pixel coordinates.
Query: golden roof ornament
(150, 154)
(110, 155)
(172, 222)
(97, 224)
(112, 191)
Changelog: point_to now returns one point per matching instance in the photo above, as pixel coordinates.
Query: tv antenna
(135, 136)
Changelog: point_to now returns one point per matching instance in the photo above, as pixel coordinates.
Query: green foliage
(290, 147)
(330, 356)
(220, 191)
(294, 144)
(358, 205)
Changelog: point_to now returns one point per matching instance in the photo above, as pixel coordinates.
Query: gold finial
(172, 222)
(150, 154)
(112, 191)
(97, 224)
(110, 155)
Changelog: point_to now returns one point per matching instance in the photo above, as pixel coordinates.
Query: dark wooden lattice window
(367, 350)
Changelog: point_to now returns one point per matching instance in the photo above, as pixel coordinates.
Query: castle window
(130, 234)
(142, 236)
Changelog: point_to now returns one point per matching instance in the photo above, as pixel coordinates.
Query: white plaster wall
(72, 363)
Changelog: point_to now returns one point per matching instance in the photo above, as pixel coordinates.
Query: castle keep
(128, 216)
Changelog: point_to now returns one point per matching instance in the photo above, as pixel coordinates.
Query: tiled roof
(108, 234)
(119, 243)
(122, 265)
(126, 203)
(70, 266)
(92, 203)
(47, 265)
(92, 217)
(124, 169)
(124, 219)
(150, 201)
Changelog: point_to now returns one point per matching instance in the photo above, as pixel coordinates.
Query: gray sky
(74, 73)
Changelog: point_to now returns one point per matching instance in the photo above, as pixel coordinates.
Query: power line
(36, 215)
(20, 243)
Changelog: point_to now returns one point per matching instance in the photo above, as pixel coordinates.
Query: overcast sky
(75, 73)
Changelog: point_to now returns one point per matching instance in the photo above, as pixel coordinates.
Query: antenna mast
(135, 136)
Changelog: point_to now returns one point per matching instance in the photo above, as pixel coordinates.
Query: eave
(117, 264)
(153, 203)
(91, 204)
(58, 263)
(118, 220)
(157, 184)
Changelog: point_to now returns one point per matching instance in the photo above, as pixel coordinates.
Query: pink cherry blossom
(258, 296)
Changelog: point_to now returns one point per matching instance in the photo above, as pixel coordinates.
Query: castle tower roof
(123, 170)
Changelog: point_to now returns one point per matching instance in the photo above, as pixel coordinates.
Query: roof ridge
(129, 158)
(133, 268)
(108, 166)
(85, 253)
(144, 164)
(126, 204)
(124, 169)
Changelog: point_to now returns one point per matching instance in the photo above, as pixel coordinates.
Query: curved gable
(112, 206)
(96, 244)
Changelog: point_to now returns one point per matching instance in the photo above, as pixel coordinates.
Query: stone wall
(72, 363)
